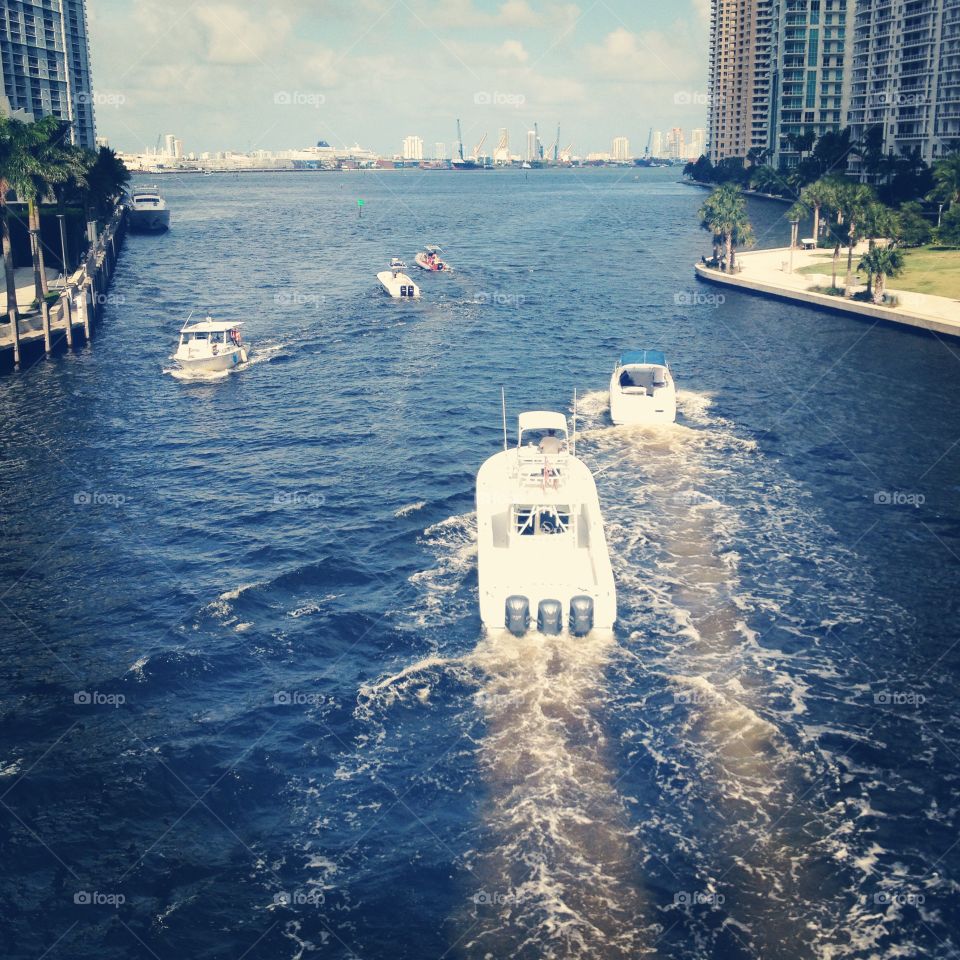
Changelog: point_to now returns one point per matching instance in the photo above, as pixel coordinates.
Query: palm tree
(10, 146)
(853, 201)
(879, 221)
(107, 178)
(766, 180)
(724, 213)
(880, 263)
(817, 196)
(946, 176)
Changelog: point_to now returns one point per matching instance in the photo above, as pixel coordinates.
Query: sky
(282, 74)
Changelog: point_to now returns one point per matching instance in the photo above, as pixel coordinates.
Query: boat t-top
(642, 390)
(147, 210)
(429, 259)
(396, 282)
(209, 346)
(542, 552)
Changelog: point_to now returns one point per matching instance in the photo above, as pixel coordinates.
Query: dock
(72, 317)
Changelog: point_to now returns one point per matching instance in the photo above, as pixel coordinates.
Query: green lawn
(928, 270)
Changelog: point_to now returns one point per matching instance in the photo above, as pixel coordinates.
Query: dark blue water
(247, 707)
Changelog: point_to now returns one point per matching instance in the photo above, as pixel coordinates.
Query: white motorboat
(542, 551)
(429, 259)
(210, 346)
(642, 389)
(396, 282)
(147, 210)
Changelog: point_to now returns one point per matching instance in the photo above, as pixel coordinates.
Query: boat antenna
(503, 406)
(574, 421)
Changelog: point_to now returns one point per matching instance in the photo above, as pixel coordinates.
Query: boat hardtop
(209, 325)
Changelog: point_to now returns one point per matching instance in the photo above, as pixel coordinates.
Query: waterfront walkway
(768, 272)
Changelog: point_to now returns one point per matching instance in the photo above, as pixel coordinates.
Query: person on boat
(551, 444)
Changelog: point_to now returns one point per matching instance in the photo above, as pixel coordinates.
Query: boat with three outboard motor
(542, 551)
(210, 346)
(396, 282)
(642, 390)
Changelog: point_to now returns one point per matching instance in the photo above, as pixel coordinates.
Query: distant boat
(542, 552)
(397, 283)
(460, 162)
(642, 389)
(210, 346)
(525, 165)
(429, 259)
(147, 210)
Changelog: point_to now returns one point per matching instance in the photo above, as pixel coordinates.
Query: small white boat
(147, 210)
(396, 282)
(429, 259)
(542, 551)
(642, 389)
(210, 346)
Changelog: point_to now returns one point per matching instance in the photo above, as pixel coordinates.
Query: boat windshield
(536, 520)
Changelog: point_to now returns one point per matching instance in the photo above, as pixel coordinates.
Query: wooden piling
(47, 342)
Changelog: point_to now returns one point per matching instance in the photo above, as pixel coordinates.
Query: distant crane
(556, 146)
(567, 151)
(459, 139)
(479, 146)
(646, 150)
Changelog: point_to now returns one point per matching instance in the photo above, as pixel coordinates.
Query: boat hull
(638, 406)
(424, 264)
(545, 567)
(149, 221)
(398, 286)
(224, 360)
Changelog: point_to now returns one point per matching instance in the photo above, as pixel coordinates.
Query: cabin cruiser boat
(429, 259)
(147, 210)
(542, 552)
(210, 346)
(642, 390)
(396, 282)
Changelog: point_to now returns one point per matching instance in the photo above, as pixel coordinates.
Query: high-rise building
(532, 145)
(905, 75)
(740, 40)
(439, 150)
(809, 59)
(178, 149)
(169, 145)
(676, 148)
(698, 143)
(621, 148)
(413, 148)
(46, 64)
(656, 149)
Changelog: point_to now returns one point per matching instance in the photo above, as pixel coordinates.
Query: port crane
(646, 150)
(556, 146)
(459, 139)
(479, 146)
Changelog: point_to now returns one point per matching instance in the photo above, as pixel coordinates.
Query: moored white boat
(542, 551)
(210, 346)
(642, 390)
(147, 211)
(396, 282)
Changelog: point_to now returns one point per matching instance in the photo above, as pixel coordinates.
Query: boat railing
(536, 469)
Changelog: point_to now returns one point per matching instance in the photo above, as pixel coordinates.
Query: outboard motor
(517, 615)
(581, 615)
(550, 617)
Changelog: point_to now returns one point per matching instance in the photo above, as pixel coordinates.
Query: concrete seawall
(766, 283)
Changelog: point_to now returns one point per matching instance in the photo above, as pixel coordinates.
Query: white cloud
(635, 57)
(235, 36)
(512, 50)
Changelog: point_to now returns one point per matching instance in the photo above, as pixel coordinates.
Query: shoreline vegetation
(870, 232)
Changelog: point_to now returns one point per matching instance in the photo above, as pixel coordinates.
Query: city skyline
(290, 75)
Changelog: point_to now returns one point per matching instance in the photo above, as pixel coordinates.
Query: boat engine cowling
(550, 617)
(517, 617)
(581, 615)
